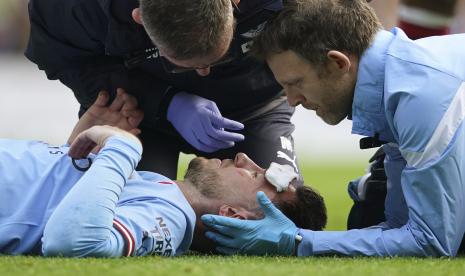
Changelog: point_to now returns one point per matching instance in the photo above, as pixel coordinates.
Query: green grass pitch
(330, 181)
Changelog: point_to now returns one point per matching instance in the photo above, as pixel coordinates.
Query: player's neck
(198, 202)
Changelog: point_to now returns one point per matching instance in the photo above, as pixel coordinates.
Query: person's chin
(330, 120)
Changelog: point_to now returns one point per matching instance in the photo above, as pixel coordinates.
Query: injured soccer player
(86, 198)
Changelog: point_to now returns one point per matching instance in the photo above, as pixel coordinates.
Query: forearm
(75, 53)
(153, 96)
(81, 225)
(436, 224)
(396, 210)
(366, 242)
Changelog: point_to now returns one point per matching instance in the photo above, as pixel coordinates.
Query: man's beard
(206, 181)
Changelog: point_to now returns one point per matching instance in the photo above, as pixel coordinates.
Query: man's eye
(255, 174)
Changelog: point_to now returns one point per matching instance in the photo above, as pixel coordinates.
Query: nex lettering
(163, 242)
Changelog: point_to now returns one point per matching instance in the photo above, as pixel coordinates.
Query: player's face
(233, 183)
(238, 181)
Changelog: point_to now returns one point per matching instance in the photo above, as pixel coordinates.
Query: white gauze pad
(280, 176)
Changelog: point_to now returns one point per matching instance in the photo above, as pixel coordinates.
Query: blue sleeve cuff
(305, 247)
(127, 146)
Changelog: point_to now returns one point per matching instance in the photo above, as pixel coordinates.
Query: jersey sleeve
(81, 224)
(153, 227)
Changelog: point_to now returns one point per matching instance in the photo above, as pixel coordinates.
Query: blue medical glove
(200, 123)
(275, 234)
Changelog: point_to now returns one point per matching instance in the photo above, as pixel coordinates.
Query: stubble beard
(205, 180)
(339, 104)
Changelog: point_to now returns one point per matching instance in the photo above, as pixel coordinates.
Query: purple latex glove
(200, 123)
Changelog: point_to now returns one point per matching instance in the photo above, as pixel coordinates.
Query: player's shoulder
(156, 186)
(156, 178)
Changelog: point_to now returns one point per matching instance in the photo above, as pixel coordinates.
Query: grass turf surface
(330, 181)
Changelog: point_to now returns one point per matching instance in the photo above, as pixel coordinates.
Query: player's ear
(239, 213)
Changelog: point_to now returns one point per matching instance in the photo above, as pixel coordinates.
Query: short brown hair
(187, 28)
(307, 211)
(312, 27)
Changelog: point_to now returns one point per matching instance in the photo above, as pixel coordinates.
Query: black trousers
(268, 138)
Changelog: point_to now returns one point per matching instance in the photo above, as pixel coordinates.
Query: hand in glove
(275, 234)
(200, 123)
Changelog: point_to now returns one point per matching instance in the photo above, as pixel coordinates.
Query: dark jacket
(93, 45)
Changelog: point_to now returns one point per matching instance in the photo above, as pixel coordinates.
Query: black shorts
(268, 138)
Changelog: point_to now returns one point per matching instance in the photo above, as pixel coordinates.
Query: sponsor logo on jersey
(286, 144)
(157, 241)
(283, 155)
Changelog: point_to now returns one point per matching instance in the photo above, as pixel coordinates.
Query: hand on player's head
(94, 138)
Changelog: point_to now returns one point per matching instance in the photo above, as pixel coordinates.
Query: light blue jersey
(49, 206)
(411, 94)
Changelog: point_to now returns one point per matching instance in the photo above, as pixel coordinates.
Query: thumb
(267, 206)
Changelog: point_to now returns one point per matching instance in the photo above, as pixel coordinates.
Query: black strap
(82, 169)
(371, 142)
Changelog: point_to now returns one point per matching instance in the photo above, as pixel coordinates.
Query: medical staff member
(331, 56)
(186, 62)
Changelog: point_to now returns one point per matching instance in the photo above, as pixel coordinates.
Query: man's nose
(294, 99)
(203, 71)
(243, 161)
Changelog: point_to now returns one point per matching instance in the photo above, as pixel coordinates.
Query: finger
(207, 136)
(135, 121)
(196, 143)
(81, 146)
(202, 142)
(222, 122)
(267, 206)
(228, 231)
(118, 102)
(227, 250)
(226, 136)
(135, 131)
(79, 153)
(96, 149)
(132, 113)
(216, 222)
(204, 147)
(219, 239)
(213, 108)
(130, 102)
(134, 117)
(102, 99)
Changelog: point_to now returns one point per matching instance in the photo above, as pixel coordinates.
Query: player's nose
(243, 161)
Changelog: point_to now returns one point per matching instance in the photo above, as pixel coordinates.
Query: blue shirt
(48, 206)
(412, 94)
